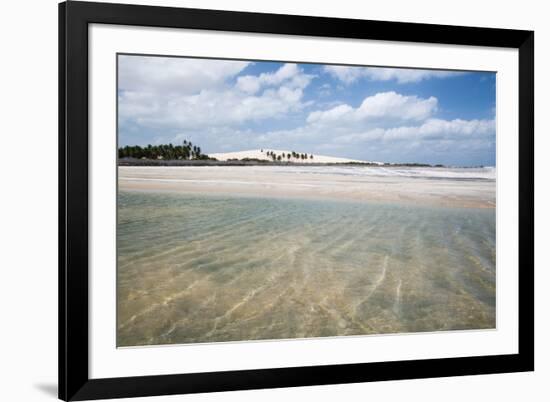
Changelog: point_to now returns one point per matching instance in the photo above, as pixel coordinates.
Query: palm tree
(279, 158)
(162, 151)
(288, 156)
(311, 156)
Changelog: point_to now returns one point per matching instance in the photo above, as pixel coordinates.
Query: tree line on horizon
(186, 151)
(287, 156)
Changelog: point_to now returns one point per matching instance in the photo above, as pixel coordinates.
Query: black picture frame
(74, 18)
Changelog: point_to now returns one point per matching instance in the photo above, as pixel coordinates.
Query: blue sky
(368, 113)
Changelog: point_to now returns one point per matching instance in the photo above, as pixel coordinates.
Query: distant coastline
(188, 154)
(252, 162)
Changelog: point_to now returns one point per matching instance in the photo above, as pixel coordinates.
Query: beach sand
(470, 188)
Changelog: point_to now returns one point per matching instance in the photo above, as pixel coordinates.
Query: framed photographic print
(258, 201)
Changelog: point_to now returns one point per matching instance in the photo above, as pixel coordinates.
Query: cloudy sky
(382, 114)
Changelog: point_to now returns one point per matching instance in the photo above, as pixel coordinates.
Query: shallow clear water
(212, 268)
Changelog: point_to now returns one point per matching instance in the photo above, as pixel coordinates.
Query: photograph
(280, 200)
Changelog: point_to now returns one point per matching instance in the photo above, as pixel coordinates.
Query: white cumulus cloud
(431, 129)
(289, 74)
(384, 105)
(350, 74)
(191, 94)
(163, 75)
(392, 127)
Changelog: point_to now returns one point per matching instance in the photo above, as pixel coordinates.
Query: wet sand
(470, 188)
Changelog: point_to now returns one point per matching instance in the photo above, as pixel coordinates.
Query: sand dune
(262, 155)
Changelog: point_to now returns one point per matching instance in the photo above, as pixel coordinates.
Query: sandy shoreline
(321, 183)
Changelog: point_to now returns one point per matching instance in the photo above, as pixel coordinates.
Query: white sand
(261, 154)
(438, 187)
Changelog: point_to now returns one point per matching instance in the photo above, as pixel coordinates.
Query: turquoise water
(211, 268)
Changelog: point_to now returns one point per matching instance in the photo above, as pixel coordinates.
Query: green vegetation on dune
(291, 156)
